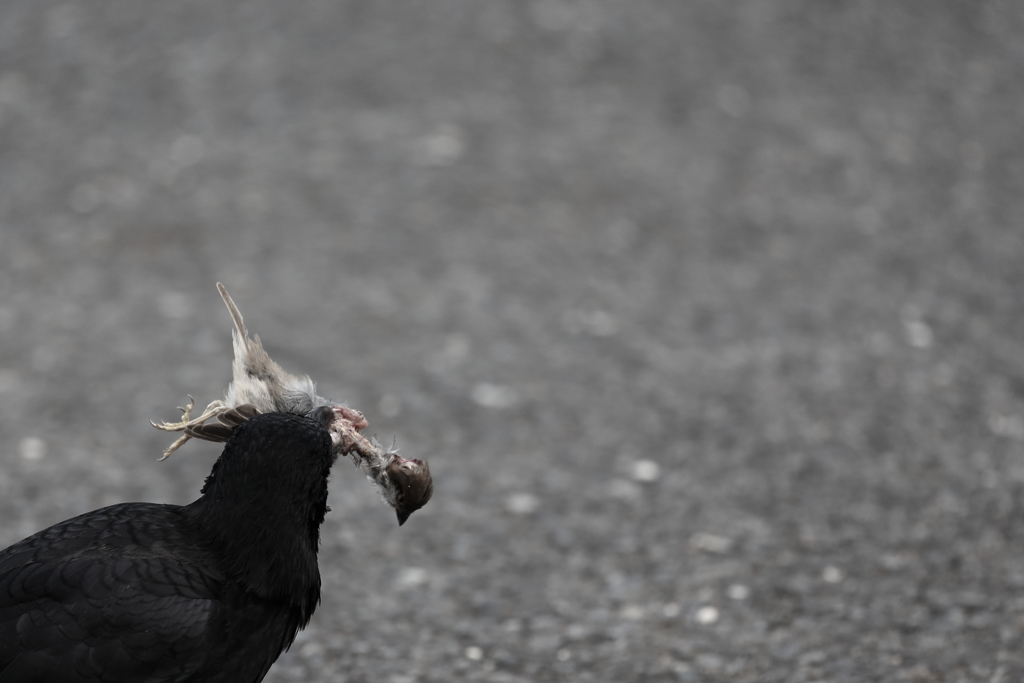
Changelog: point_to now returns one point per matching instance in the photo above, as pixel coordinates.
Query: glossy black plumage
(210, 591)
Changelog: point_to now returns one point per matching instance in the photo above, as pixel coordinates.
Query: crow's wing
(118, 594)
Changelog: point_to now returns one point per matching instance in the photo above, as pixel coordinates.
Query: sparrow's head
(410, 486)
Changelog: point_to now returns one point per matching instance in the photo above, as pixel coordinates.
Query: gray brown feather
(226, 422)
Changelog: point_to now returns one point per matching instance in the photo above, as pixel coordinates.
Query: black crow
(212, 591)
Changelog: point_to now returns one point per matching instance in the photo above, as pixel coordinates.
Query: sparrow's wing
(226, 422)
(239, 414)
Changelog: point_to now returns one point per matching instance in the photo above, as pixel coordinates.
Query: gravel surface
(707, 315)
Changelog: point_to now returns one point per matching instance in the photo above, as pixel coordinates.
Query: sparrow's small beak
(402, 516)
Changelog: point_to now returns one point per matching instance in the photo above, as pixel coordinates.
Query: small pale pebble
(9, 380)
(410, 577)
(632, 612)
(32, 448)
(646, 471)
(682, 669)
(1007, 425)
(495, 396)
(522, 503)
(919, 334)
(441, 148)
(710, 543)
(738, 591)
(707, 615)
(474, 653)
(832, 574)
(314, 649)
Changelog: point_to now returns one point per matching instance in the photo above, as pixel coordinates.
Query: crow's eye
(324, 415)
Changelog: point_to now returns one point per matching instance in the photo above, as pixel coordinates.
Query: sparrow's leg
(186, 415)
(174, 446)
(212, 410)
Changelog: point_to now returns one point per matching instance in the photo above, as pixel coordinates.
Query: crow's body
(211, 591)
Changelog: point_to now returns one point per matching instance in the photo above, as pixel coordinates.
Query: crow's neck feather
(262, 507)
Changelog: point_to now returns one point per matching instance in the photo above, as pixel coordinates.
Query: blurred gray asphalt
(707, 315)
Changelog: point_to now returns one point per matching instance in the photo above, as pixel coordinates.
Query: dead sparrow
(259, 385)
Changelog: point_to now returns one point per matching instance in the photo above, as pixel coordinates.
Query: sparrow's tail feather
(236, 315)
